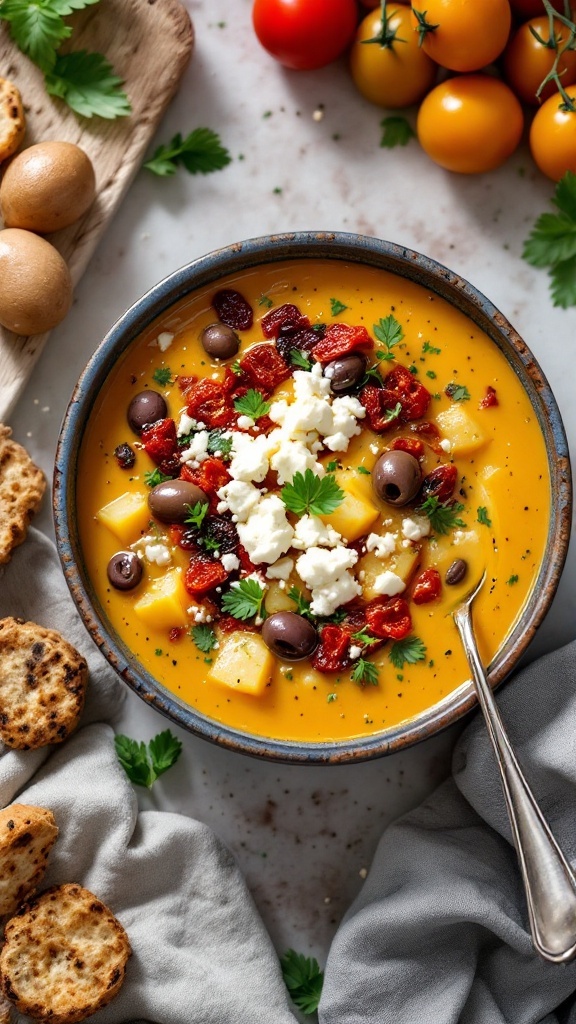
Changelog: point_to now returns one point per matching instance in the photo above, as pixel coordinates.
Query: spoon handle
(549, 881)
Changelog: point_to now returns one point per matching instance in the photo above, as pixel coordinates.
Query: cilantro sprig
(457, 392)
(396, 131)
(443, 515)
(316, 495)
(204, 637)
(245, 600)
(552, 243)
(303, 979)
(388, 331)
(217, 443)
(162, 375)
(300, 359)
(407, 651)
(200, 152)
(483, 516)
(144, 763)
(153, 477)
(337, 307)
(252, 404)
(365, 672)
(197, 513)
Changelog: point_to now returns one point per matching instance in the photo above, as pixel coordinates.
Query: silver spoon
(549, 881)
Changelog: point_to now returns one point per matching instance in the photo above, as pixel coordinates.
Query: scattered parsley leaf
(204, 637)
(483, 516)
(512, 580)
(431, 374)
(393, 414)
(365, 672)
(332, 466)
(87, 83)
(396, 131)
(337, 307)
(389, 332)
(457, 392)
(153, 477)
(236, 368)
(200, 152)
(244, 600)
(143, 763)
(185, 440)
(162, 375)
(300, 359)
(407, 651)
(363, 470)
(443, 515)
(265, 301)
(331, 697)
(552, 243)
(218, 443)
(37, 29)
(427, 347)
(318, 496)
(302, 604)
(252, 404)
(303, 979)
(362, 637)
(209, 543)
(197, 514)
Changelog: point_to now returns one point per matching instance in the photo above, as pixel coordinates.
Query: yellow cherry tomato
(470, 124)
(527, 60)
(462, 35)
(553, 136)
(387, 64)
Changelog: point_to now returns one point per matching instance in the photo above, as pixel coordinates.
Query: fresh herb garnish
(204, 637)
(337, 307)
(552, 243)
(396, 131)
(143, 763)
(209, 543)
(512, 580)
(331, 697)
(153, 477)
(245, 600)
(200, 152)
(318, 496)
(300, 359)
(363, 470)
(265, 301)
(218, 443)
(393, 414)
(431, 374)
(252, 404)
(365, 672)
(427, 347)
(303, 979)
(197, 513)
(457, 392)
(389, 332)
(483, 516)
(162, 375)
(407, 651)
(302, 604)
(362, 637)
(443, 515)
(236, 368)
(332, 466)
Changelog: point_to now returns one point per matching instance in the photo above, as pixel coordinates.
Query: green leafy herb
(331, 697)
(457, 392)
(300, 359)
(393, 414)
(389, 332)
(362, 637)
(407, 651)
(244, 600)
(153, 477)
(87, 83)
(309, 493)
(443, 515)
(337, 307)
(552, 243)
(302, 604)
(200, 152)
(396, 131)
(37, 28)
(363, 470)
(236, 368)
(197, 514)
(512, 580)
(209, 543)
(204, 637)
(162, 375)
(185, 440)
(303, 979)
(265, 301)
(332, 466)
(431, 374)
(252, 404)
(218, 443)
(143, 763)
(427, 347)
(483, 516)
(365, 672)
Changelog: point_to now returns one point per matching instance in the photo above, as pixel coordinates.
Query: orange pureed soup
(482, 499)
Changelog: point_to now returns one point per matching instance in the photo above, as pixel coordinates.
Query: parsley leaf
(265, 301)
(200, 152)
(427, 347)
(143, 763)
(443, 516)
(303, 979)
(252, 404)
(393, 414)
(396, 131)
(362, 637)
(389, 332)
(87, 83)
(309, 493)
(153, 477)
(162, 375)
(244, 600)
(512, 580)
(365, 672)
(36, 28)
(197, 513)
(552, 243)
(302, 604)
(483, 516)
(299, 359)
(218, 443)
(337, 307)
(363, 471)
(204, 637)
(407, 651)
(457, 392)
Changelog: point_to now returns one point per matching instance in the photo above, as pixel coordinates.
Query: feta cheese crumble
(266, 534)
(389, 584)
(415, 528)
(382, 545)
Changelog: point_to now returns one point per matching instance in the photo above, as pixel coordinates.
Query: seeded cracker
(27, 835)
(22, 486)
(64, 957)
(12, 120)
(42, 685)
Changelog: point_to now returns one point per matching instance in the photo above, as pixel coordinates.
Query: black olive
(289, 636)
(125, 456)
(396, 477)
(346, 372)
(456, 572)
(146, 407)
(169, 501)
(124, 570)
(220, 341)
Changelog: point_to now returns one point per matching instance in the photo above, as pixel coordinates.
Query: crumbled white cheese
(389, 583)
(381, 544)
(416, 527)
(157, 553)
(245, 422)
(326, 599)
(198, 450)
(324, 571)
(164, 340)
(446, 445)
(266, 534)
(345, 412)
(310, 532)
(230, 562)
(280, 570)
(199, 613)
(294, 457)
(240, 498)
(374, 449)
(354, 652)
(186, 424)
(250, 459)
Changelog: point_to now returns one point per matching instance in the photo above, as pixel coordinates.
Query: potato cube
(244, 663)
(163, 604)
(277, 599)
(461, 429)
(126, 516)
(356, 514)
(403, 563)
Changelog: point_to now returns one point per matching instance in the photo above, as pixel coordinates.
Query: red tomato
(265, 366)
(339, 340)
(305, 34)
(463, 35)
(389, 618)
(527, 61)
(428, 587)
(553, 136)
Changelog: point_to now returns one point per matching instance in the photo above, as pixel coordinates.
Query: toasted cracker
(12, 119)
(42, 685)
(64, 957)
(22, 486)
(27, 834)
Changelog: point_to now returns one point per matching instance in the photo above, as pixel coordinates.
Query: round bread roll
(35, 283)
(47, 187)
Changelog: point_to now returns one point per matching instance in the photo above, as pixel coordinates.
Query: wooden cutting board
(149, 43)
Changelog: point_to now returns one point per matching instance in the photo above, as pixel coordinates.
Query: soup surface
(360, 456)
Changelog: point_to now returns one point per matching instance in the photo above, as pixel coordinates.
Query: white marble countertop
(302, 835)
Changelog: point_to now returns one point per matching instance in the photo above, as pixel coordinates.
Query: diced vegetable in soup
(326, 458)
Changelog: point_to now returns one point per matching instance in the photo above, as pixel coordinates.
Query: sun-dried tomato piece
(210, 402)
(440, 483)
(232, 309)
(490, 398)
(426, 427)
(389, 618)
(185, 383)
(203, 574)
(176, 634)
(125, 456)
(340, 339)
(428, 587)
(379, 404)
(412, 395)
(332, 653)
(209, 476)
(276, 318)
(247, 566)
(221, 531)
(185, 537)
(302, 338)
(265, 366)
(160, 441)
(235, 384)
(411, 445)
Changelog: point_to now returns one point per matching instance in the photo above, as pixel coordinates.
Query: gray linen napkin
(201, 954)
(439, 933)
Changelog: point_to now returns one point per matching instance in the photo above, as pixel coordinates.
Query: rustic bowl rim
(351, 248)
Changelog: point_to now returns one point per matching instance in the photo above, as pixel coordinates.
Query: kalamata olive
(169, 501)
(125, 456)
(456, 572)
(124, 570)
(146, 407)
(289, 636)
(396, 477)
(346, 372)
(220, 341)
